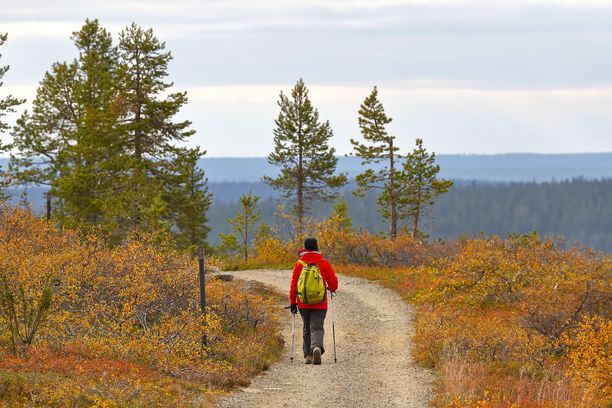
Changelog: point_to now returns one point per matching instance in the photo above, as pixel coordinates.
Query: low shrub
(138, 302)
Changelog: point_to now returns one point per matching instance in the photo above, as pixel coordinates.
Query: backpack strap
(307, 264)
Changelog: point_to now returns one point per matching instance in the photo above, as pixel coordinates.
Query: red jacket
(327, 273)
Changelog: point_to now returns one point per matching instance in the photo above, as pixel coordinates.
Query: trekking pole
(331, 295)
(292, 338)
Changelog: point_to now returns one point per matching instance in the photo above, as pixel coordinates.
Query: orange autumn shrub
(137, 302)
(342, 245)
(590, 354)
(272, 251)
(513, 304)
(494, 318)
(36, 263)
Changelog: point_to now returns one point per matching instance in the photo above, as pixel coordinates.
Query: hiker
(317, 277)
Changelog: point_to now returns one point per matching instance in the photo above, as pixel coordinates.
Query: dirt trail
(374, 368)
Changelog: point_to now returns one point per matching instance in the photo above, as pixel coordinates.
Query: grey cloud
(240, 42)
(491, 45)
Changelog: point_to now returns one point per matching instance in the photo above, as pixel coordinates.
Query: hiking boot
(309, 359)
(316, 356)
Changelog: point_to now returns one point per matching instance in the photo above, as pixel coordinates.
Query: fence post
(202, 289)
(48, 195)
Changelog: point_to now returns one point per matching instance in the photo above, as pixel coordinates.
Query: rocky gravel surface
(373, 342)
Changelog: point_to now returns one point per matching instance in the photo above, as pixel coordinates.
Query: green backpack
(311, 288)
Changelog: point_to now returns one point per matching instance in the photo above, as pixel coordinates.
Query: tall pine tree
(68, 142)
(41, 137)
(379, 149)
(422, 185)
(151, 133)
(7, 105)
(301, 150)
(89, 165)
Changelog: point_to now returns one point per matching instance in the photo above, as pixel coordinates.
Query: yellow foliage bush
(590, 354)
(514, 303)
(273, 251)
(501, 319)
(342, 245)
(136, 302)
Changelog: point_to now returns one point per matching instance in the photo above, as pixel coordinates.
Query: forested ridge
(577, 209)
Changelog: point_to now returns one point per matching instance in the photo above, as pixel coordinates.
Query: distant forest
(578, 209)
(493, 167)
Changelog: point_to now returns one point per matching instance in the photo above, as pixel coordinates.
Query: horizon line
(437, 154)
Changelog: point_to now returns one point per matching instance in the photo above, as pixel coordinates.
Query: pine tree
(188, 195)
(340, 216)
(151, 133)
(42, 136)
(301, 150)
(244, 221)
(68, 141)
(89, 165)
(7, 105)
(422, 185)
(379, 147)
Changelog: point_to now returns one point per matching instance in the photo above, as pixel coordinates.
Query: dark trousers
(313, 329)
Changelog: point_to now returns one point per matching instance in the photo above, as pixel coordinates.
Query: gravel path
(374, 368)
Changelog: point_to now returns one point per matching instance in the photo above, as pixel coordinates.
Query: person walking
(317, 272)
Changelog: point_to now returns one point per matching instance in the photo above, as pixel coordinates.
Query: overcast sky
(467, 76)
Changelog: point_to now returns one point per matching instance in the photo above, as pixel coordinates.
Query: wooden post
(48, 195)
(202, 288)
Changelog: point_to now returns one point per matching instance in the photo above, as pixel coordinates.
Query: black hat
(310, 244)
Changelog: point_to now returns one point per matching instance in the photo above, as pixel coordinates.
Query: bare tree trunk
(246, 240)
(415, 226)
(392, 197)
(417, 214)
(300, 203)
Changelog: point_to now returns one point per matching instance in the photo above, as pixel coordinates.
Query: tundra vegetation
(83, 323)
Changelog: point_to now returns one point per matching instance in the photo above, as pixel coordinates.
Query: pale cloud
(42, 29)
(451, 120)
(476, 76)
(238, 120)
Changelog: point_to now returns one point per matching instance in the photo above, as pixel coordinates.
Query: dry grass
(464, 384)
